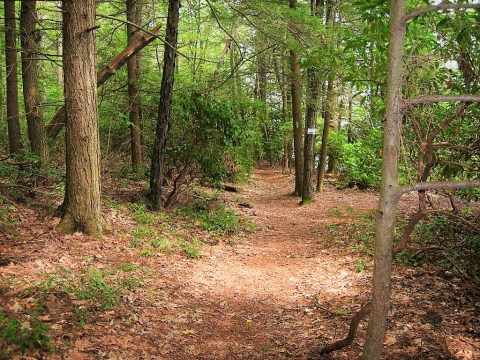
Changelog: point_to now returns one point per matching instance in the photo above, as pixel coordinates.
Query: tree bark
(326, 129)
(81, 209)
(157, 171)
(309, 143)
(296, 116)
(58, 121)
(389, 188)
(33, 107)
(13, 119)
(134, 66)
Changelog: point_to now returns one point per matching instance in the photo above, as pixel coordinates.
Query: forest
(240, 179)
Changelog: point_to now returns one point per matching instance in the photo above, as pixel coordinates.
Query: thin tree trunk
(310, 129)
(262, 96)
(297, 122)
(81, 209)
(134, 66)
(389, 188)
(157, 172)
(326, 129)
(33, 107)
(13, 119)
(59, 53)
(329, 106)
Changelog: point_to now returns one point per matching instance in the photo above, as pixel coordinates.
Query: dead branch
(58, 121)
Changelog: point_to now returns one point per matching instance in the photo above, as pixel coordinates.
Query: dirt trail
(275, 294)
(263, 298)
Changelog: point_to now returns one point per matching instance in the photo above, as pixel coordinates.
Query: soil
(274, 293)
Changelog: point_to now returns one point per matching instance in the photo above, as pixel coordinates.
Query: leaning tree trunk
(134, 67)
(157, 171)
(31, 97)
(389, 194)
(13, 120)
(81, 210)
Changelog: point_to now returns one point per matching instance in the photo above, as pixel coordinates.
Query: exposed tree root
(361, 314)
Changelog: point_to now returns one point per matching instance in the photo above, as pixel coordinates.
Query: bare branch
(443, 6)
(438, 185)
(429, 99)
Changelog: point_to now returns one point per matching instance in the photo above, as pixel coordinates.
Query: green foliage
(213, 216)
(192, 249)
(19, 335)
(362, 160)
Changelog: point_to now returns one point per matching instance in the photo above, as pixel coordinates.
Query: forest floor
(273, 292)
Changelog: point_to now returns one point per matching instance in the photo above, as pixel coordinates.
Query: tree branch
(429, 99)
(443, 6)
(438, 185)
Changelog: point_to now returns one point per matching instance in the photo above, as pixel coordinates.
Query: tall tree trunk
(329, 106)
(296, 116)
(59, 52)
(310, 129)
(157, 172)
(326, 129)
(81, 209)
(33, 107)
(297, 122)
(13, 120)
(134, 66)
(262, 96)
(389, 188)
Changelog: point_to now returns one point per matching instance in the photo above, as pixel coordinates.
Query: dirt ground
(275, 293)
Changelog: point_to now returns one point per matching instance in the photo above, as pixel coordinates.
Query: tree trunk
(157, 171)
(59, 52)
(310, 128)
(297, 122)
(81, 209)
(13, 120)
(329, 107)
(262, 96)
(134, 66)
(31, 97)
(326, 129)
(296, 117)
(389, 188)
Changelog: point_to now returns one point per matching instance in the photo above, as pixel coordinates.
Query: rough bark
(31, 97)
(329, 106)
(13, 120)
(309, 142)
(157, 171)
(326, 130)
(81, 209)
(389, 188)
(297, 122)
(134, 67)
(58, 121)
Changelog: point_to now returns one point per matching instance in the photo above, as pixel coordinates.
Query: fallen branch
(58, 121)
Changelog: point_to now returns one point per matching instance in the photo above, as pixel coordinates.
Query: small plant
(164, 244)
(335, 213)
(126, 267)
(83, 316)
(192, 249)
(147, 252)
(360, 265)
(22, 334)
